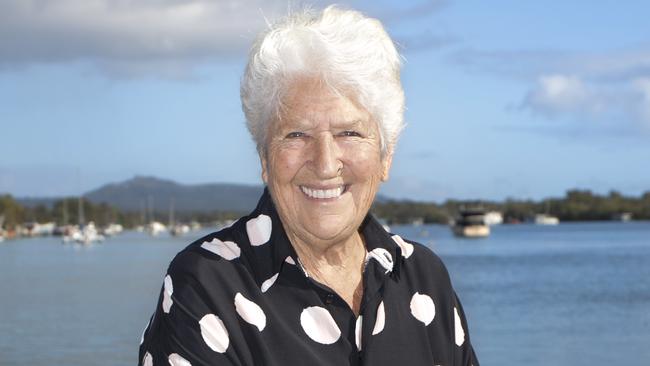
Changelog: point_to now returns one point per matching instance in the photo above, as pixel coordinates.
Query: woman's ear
(386, 163)
(265, 172)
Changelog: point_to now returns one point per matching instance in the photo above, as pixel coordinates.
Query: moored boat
(179, 229)
(544, 219)
(470, 223)
(112, 229)
(2, 231)
(622, 216)
(155, 228)
(86, 234)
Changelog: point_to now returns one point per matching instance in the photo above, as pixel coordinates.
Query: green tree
(12, 211)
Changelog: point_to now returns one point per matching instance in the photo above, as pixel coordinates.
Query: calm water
(574, 294)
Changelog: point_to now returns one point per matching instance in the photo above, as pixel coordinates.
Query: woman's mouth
(330, 193)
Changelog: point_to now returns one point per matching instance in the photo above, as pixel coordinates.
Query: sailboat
(154, 228)
(85, 234)
(174, 228)
(546, 218)
(2, 231)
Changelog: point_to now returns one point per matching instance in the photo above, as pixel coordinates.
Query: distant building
(493, 218)
(623, 216)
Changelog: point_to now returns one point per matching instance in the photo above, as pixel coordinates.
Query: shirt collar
(380, 246)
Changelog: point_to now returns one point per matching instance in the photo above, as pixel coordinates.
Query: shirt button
(329, 299)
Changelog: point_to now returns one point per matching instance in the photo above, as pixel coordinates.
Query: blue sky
(504, 98)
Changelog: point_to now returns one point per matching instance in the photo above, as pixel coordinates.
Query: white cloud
(160, 37)
(620, 104)
(606, 66)
(559, 93)
(605, 89)
(129, 34)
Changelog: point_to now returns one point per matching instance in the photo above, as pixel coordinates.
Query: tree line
(67, 211)
(576, 205)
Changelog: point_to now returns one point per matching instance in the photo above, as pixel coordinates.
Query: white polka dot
(381, 319)
(266, 285)
(167, 294)
(458, 326)
(319, 325)
(144, 331)
(382, 256)
(227, 249)
(214, 333)
(290, 260)
(250, 312)
(423, 308)
(259, 230)
(407, 248)
(176, 360)
(147, 360)
(357, 331)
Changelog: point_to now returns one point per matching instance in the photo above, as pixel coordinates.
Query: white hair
(345, 49)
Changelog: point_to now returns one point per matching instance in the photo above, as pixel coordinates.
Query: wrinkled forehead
(309, 102)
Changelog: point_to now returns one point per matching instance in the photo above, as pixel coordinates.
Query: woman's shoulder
(217, 251)
(420, 260)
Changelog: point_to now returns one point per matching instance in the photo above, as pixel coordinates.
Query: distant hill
(140, 192)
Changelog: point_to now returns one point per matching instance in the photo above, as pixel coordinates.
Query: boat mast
(143, 214)
(150, 209)
(82, 219)
(171, 212)
(65, 211)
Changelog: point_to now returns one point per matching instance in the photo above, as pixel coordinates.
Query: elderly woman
(310, 277)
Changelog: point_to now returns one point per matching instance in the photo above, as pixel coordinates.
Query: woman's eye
(350, 134)
(295, 134)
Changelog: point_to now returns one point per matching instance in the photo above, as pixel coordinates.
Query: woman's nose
(327, 157)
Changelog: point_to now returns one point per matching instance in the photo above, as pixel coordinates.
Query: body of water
(573, 294)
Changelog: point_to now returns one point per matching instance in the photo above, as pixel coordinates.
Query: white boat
(70, 233)
(544, 219)
(113, 229)
(623, 216)
(176, 229)
(155, 228)
(38, 229)
(2, 231)
(493, 218)
(179, 229)
(470, 223)
(89, 234)
(86, 235)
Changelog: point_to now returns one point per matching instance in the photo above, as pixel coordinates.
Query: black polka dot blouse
(241, 297)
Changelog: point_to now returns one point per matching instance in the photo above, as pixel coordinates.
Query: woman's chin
(333, 230)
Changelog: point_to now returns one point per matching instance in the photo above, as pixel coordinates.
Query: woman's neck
(339, 266)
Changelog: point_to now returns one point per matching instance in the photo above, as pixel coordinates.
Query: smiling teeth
(322, 193)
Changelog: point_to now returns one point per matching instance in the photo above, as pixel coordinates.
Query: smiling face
(323, 164)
